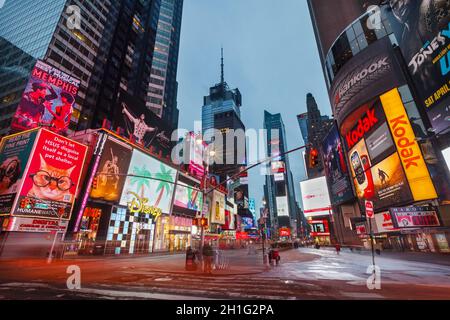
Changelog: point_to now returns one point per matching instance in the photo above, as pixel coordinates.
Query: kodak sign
(413, 162)
(364, 125)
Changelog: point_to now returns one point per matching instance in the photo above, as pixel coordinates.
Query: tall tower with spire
(220, 99)
(222, 111)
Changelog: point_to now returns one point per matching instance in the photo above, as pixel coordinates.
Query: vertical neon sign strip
(98, 151)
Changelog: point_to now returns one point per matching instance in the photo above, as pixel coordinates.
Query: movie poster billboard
(188, 197)
(149, 186)
(136, 122)
(51, 182)
(336, 169)
(112, 170)
(422, 29)
(48, 100)
(218, 208)
(14, 155)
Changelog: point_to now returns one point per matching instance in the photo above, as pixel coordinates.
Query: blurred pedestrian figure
(270, 255)
(276, 256)
(208, 254)
(338, 248)
(317, 246)
(191, 264)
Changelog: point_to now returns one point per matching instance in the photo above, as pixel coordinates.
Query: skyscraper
(221, 111)
(220, 99)
(317, 127)
(118, 46)
(279, 188)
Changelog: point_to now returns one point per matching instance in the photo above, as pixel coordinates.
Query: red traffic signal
(203, 222)
(313, 158)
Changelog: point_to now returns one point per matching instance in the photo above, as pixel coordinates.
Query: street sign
(369, 210)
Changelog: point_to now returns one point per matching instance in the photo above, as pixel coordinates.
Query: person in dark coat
(191, 265)
(208, 254)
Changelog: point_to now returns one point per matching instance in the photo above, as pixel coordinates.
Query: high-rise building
(317, 127)
(221, 111)
(369, 59)
(118, 45)
(220, 99)
(279, 187)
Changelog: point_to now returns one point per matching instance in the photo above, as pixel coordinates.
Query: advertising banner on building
(384, 223)
(389, 182)
(319, 228)
(376, 166)
(415, 217)
(141, 126)
(282, 207)
(422, 29)
(51, 181)
(48, 100)
(15, 152)
(112, 170)
(188, 197)
(149, 186)
(370, 73)
(336, 169)
(218, 208)
(19, 224)
(419, 179)
(316, 200)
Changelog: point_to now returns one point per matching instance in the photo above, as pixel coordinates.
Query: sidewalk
(426, 257)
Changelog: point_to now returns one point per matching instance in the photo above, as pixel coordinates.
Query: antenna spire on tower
(222, 75)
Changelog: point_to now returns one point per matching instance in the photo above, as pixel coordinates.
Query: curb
(209, 275)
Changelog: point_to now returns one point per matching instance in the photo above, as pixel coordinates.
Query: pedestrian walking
(191, 264)
(338, 248)
(208, 255)
(276, 256)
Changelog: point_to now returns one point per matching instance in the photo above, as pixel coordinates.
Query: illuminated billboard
(336, 169)
(113, 167)
(218, 208)
(47, 101)
(149, 186)
(387, 166)
(316, 200)
(422, 29)
(195, 150)
(415, 217)
(319, 228)
(51, 180)
(410, 153)
(134, 121)
(15, 152)
(282, 207)
(188, 197)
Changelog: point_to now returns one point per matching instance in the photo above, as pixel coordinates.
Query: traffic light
(313, 158)
(203, 222)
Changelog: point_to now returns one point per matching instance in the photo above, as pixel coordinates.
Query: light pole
(209, 154)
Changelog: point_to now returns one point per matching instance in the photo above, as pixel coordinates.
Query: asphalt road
(304, 274)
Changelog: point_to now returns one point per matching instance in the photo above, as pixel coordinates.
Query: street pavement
(304, 274)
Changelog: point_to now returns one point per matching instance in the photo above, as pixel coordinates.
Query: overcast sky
(270, 55)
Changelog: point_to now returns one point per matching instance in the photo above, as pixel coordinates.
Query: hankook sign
(369, 74)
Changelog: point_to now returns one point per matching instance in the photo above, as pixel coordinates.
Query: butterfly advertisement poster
(51, 181)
